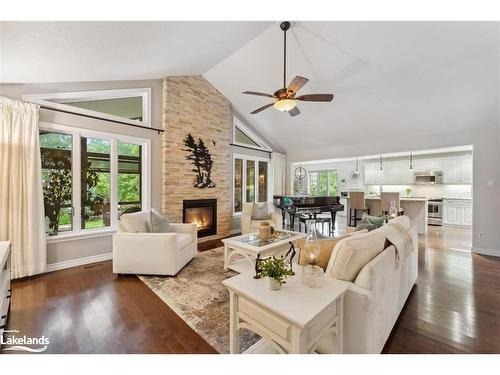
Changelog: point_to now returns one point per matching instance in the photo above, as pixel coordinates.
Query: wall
(74, 249)
(486, 173)
(192, 105)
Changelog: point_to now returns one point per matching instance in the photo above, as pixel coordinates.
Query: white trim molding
(79, 262)
(57, 101)
(490, 252)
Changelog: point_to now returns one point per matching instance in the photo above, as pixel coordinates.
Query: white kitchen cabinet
(435, 165)
(420, 165)
(457, 171)
(466, 171)
(457, 212)
(372, 174)
(467, 220)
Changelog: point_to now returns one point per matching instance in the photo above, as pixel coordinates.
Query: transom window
(90, 179)
(131, 106)
(243, 136)
(323, 183)
(250, 181)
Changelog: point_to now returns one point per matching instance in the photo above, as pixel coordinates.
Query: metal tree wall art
(199, 156)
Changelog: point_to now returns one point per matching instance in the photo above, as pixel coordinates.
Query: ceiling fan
(285, 98)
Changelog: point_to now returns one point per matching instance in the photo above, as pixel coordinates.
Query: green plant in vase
(408, 191)
(276, 270)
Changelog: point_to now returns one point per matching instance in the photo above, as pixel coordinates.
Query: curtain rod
(251, 148)
(103, 119)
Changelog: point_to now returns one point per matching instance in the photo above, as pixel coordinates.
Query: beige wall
(70, 250)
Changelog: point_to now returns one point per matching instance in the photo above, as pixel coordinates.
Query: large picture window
(323, 183)
(90, 179)
(250, 181)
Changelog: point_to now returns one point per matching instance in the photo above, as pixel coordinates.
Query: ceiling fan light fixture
(285, 105)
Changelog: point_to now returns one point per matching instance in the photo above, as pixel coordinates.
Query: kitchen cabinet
(457, 171)
(457, 212)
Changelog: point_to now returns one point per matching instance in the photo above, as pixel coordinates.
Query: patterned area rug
(197, 295)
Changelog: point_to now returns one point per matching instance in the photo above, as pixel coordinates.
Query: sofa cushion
(326, 246)
(353, 253)
(160, 222)
(183, 239)
(260, 212)
(137, 222)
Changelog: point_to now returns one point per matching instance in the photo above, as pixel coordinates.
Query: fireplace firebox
(203, 213)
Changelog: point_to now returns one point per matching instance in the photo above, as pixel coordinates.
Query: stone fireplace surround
(190, 104)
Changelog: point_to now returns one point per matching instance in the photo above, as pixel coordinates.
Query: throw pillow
(260, 212)
(160, 222)
(326, 246)
(136, 222)
(378, 221)
(353, 253)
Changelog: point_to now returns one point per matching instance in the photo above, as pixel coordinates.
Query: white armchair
(250, 226)
(154, 253)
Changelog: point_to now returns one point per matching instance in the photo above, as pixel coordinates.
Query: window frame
(327, 171)
(62, 97)
(256, 160)
(77, 232)
(237, 123)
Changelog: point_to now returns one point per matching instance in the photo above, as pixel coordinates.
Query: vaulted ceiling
(39, 52)
(389, 79)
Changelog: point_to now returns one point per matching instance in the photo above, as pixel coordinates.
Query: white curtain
(21, 198)
(278, 162)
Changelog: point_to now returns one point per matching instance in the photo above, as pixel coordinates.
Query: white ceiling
(389, 79)
(39, 52)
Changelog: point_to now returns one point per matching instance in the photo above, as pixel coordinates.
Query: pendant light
(357, 170)
(381, 167)
(411, 161)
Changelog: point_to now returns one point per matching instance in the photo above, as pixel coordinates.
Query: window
(323, 183)
(90, 179)
(243, 136)
(253, 174)
(57, 179)
(132, 106)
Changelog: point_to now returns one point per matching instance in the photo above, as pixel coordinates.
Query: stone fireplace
(203, 213)
(191, 105)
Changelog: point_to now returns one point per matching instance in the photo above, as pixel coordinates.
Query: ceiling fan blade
(294, 111)
(315, 97)
(258, 94)
(297, 83)
(261, 108)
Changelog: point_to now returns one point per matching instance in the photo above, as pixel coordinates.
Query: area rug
(197, 295)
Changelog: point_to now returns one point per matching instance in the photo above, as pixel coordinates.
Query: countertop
(409, 199)
(458, 198)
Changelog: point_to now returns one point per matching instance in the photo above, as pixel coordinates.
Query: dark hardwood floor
(453, 309)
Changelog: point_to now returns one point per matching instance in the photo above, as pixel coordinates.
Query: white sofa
(376, 297)
(154, 253)
(251, 226)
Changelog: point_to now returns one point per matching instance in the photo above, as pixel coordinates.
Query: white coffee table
(249, 246)
(291, 320)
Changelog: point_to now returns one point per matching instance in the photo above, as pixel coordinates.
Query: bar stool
(356, 202)
(385, 203)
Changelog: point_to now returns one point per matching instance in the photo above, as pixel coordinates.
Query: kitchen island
(414, 208)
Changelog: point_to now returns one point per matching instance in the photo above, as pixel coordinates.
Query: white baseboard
(78, 262)
(491, 252)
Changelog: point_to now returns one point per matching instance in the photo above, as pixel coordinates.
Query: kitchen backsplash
(437, 191)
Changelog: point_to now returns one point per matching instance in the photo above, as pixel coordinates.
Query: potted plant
(276, 271)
